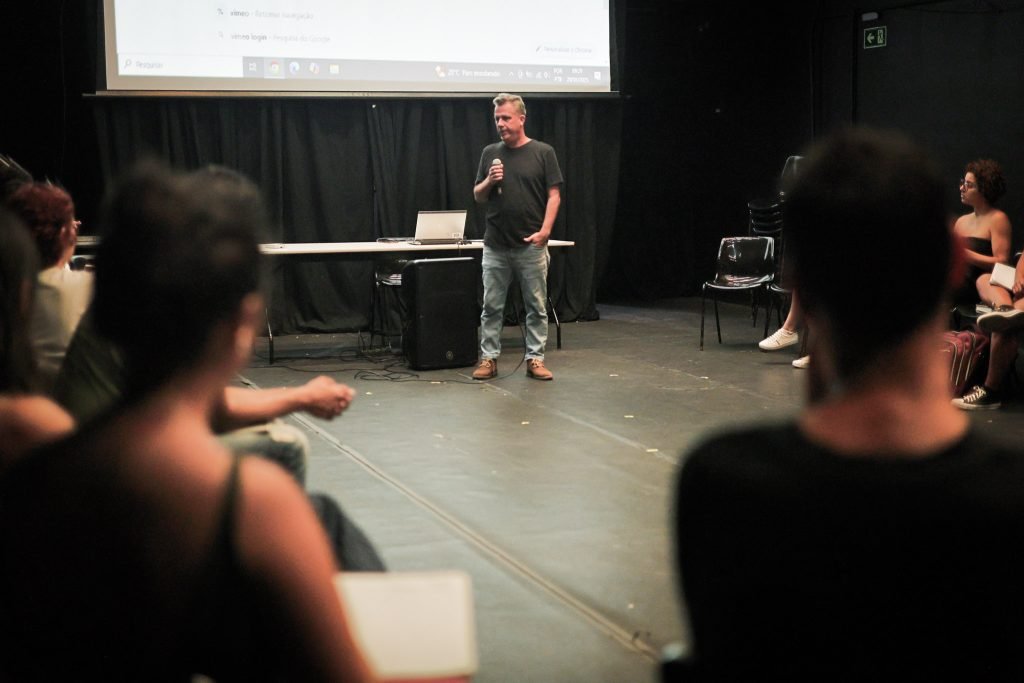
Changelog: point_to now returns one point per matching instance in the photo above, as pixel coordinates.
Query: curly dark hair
(989, 176)
(46, 209)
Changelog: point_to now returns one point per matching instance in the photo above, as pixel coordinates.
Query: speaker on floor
(442, 312)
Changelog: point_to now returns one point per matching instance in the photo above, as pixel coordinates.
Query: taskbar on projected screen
(328, 74)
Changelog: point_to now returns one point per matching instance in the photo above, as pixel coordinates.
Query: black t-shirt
(801, 564)
(518, 210)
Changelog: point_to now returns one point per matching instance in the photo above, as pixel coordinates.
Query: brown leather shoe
(487, 369)
(535, 369)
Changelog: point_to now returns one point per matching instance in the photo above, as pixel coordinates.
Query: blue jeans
(529, 265)
(285, 444)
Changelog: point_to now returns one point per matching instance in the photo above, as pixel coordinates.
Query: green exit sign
(875, 37)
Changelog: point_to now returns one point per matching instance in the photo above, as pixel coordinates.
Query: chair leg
(270, 335)
(703, 295)
(767, 303)
(558, 325)
(768, 313)
(378, 317)
(718, 323)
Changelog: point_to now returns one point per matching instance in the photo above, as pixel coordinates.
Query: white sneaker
(780, 340)
(802, 362)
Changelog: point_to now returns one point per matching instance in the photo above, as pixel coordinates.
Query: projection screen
(358, 46)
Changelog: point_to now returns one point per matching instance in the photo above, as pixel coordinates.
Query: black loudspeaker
(442, 313)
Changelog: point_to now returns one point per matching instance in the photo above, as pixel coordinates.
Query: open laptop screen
(440, 226)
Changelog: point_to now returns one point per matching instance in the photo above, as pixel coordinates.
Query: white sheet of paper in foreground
(412, 625)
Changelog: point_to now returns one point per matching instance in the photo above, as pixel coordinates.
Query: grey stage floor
(553, 496)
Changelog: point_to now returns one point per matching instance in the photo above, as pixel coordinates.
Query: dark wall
(714, 99)
(717, 96)
(951, 76)
(48, 49)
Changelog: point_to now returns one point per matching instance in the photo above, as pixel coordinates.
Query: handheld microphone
(497, 162)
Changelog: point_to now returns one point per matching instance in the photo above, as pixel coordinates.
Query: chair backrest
(754, 256)
(765, 217)
(792, 165)
(790, 169)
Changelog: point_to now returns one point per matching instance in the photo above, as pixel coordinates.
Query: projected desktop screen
(358, 45)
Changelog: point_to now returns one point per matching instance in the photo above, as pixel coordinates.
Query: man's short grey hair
(515, 100)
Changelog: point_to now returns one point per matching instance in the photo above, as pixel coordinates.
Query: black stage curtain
(352, 170)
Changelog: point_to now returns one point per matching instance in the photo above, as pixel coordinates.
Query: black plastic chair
(744, 263)
(790, 170)
(386, 307)
(765, 217)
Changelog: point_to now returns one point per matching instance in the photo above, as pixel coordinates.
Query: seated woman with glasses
(62, 294)
(988, 235)
(986, 230)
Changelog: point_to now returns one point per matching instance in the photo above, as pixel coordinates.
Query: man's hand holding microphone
(497, 173)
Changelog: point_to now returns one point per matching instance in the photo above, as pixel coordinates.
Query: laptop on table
(440, 227)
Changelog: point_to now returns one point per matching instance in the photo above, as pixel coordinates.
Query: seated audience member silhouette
(988, 236)
(93, 377)
(62, 294)
(27, 419)
(140, 548)
(876, 536)
(986, 230)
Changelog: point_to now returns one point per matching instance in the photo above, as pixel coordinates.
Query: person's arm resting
(321, 397)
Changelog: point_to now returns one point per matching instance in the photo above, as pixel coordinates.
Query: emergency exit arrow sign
(875, 37)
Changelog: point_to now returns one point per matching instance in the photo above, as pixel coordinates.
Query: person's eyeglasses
(967, 184)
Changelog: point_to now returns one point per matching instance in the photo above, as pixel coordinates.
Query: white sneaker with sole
(780, 340)
(802, 362)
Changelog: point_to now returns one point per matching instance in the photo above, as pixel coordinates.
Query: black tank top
(90, 588)
(967, 293)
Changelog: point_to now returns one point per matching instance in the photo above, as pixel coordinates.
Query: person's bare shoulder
(285, 550)
(27, 422)
(961, 224)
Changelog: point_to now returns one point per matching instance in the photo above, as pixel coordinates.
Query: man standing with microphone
(519, 182)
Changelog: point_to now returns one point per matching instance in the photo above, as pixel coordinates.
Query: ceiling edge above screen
(323, 47)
